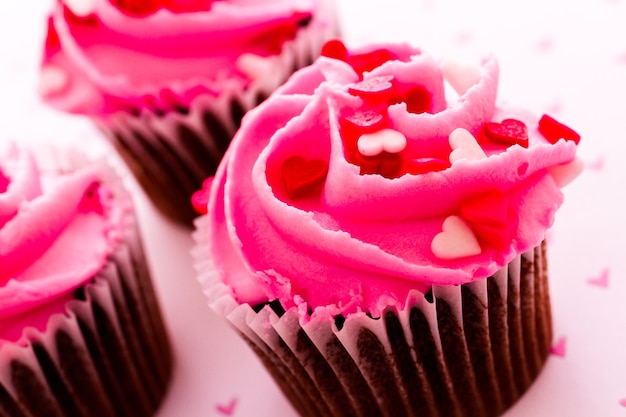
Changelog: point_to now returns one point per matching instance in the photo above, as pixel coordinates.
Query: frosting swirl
(114, 56)
(56, 232)
(350, 187)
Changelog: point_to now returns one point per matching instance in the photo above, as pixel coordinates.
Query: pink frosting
(107, 59)
(56, 232)
(360, 241)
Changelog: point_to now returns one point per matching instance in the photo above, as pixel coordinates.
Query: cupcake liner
(172, 151)
(469, 350)
(108, 354)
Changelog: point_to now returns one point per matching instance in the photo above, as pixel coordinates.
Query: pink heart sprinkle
(622, 402)
(388, 140)
(597, 165)
(456, 240)
(464, 146)
(558, 349)
(227, 409)
(602, 280)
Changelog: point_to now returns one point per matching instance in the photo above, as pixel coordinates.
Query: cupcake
(169, 81)
(376, 234)
(80, 329)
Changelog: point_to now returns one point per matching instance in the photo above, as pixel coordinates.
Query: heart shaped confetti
(200, 199)
(389, 165)
(374, 89)
(388, 140)
(424, 165)
(565, 173)
(558, 349)
(554, 130)
(255, 66)
(303, 176)
(418, 100)
(52, 80)
(508, 132)
(491, 218)
(227, 409)
(81, 8)
(456, 240)
(461, 76)
(464, 146)
(601, 280)
(335, 48)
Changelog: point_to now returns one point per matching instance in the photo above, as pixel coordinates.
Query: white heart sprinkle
(81, 8)
(389, 140)
(566, 173)
(456, 240)
(255, 66)
(52, 80)
(460, 75)
(464, 146)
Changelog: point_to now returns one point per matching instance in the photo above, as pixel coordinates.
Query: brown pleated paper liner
(172, 152)
(108, 356)
(469, 350)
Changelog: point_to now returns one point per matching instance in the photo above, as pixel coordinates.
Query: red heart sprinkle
(424, 165)
(509, 132)
(368, 61)
(53, 44)
(334, 48)
(374, 90)
(200, 199)
(491, 218)
(389, 165)
(417, 99)
(356, 124)
(303, 176)
(554, 130)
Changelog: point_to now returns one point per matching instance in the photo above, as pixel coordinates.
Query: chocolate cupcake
(169, 82)
(380, 243)
(80, 329)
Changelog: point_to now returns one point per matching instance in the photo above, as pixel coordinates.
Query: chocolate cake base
(108, 356)
(469, 350)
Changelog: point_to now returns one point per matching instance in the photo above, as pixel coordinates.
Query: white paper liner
(171, 153)
(109, 354)
(469, 350)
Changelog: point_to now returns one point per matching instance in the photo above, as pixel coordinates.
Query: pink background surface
(564, 58)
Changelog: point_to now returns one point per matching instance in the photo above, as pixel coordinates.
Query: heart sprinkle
(388, 140)
(565, 173)
(456, 240)
(374, 89)
(52, 80)
(558, 349)
(553, 130)
(303, 176)
(200, 199)
(464, 146)
(81, 8)
(255, 66)
(508, 132)
(461, 76)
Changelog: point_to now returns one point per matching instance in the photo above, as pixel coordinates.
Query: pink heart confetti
(388, 140)
(81, 8)
(456, 240)
(255, 66)
(52, 80)
(597, 165)
(460, 75)
(565, 173)
(622, 402)
(558, 349)
(464, 146)
(227, 409)
(601, 280)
